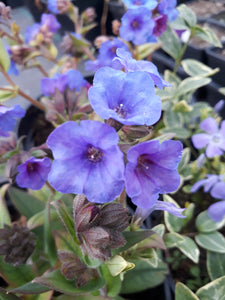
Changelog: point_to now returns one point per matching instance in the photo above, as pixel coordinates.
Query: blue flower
(84, 160)
(150, 4)
(8, 116)
(32, 32)
(72, 78)
(213, 139)
(114, 95)
(209, 183)
(33, 173)
(216, 211)
(51, 22)
(137, 26)
(152, 169)
(167, 7)
(58, 6)
(125, 61)
(107, 52)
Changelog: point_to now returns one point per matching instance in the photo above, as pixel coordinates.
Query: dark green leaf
(5, 296)
(213, 241)
(182, 292)
(215, 264)
(25, 203)
(113, 283)
(142, 277)
(213, 290)
(30, 288)
(56, 281)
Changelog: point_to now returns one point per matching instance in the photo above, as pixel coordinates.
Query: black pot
(216, 59)
(218, 19)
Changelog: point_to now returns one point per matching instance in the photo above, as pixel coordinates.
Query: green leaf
(173, 223)
(143, 276)
(145, 50)
(4, 213)
(213, 241)
(52, 50)
(113, 283)
(171, 43)
(38, 219)
(185, 244)
(8, 94)
(84, 297)
(78, 43)
(172, 119)
(214, 290)
(215, 264)
(56, 281)
(26, 204)
(15, 275)
(179, 132)
(5, 296)
(134, 237)
(222, 90)
(182, 292)
(49, 242)
(191, 84)
(30, 288)
(195, 68)
(189, 213)
(186, 155)
(208, 35)
(160, 229)
(204, 224)
(188, 15)
(4, 57)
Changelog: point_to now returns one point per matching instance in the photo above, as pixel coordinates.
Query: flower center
(31, 167)
(120, 110)
(135, 24)
(94, 154)
(143, 162)
(216, 138)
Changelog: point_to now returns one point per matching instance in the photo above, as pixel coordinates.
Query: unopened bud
(89, 15)
(101, 39)
(136, 132)
(116, 27)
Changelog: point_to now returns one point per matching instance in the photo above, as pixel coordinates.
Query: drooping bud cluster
(19, 52)
(4, 12)
(16, 244)
(58, 6)
(99, 227)
(73, 268)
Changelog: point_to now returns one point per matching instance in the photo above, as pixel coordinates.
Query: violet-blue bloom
(8, 116)
(213, 139)
(209, 183)
(168, 8)
(150, 4)
(72, 78)
(33, 173)
(137, 26)
(114, 95)
(160, 25)
(152, 170)
(84, 160)
(58, 6)
(51, 22)
(53, 6)
(125, 61)
(216, 211)
(107, 52)
(32, 32)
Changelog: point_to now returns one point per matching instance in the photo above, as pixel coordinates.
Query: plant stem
(104, 17)
(20, 92)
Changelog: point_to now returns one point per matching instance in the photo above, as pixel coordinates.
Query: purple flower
(216, 211)
(219, 105)
(32, 32)
(152, 169)
(160, 25)
(125, 61)
(50, 22)
(213, 139)
(211, 181)
(167, 7)
(33, 173)
(114, 95)
(150, 4)
(85, 157)
(58, 6)
(137, 26)
(8, 116)
(107, 52)
(72, 78)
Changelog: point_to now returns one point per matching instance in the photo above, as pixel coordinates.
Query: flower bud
(116, 27)
(89, 15)
(5, 12)
(16, 244)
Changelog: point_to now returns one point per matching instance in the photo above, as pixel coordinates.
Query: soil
(205, 9)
